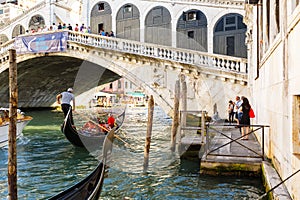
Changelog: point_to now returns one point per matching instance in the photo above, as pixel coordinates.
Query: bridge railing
(236, 3)
(197, 58)
(184, 56)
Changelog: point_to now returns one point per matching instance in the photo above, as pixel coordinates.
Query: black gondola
(82, 138)
(90, 187)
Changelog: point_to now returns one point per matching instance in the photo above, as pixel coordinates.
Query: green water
(48, 164)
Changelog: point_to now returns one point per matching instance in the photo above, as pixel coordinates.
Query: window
(296, 124)
(191, 16)
(127, 9)
(119, 84)
(220, 26)
(126, 84)
(110, 86)
(1, 11)
(101, 7)
(157, 20)
(191, 34)
(230, 23)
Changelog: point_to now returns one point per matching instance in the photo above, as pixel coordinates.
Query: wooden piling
(175, 116)
(183, 103)
(12, 145)
(149, 132)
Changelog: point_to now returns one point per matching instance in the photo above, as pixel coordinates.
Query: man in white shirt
(238, 113)
(65, 99)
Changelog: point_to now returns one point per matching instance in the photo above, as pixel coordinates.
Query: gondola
(90, 187)
(83, 138)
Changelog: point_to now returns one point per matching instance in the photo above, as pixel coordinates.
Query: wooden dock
(227, 154)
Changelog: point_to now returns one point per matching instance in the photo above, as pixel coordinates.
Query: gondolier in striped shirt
(65, 99)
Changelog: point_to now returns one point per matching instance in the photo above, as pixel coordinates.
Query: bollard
(12, 145)
(149, 132)
(176, 116)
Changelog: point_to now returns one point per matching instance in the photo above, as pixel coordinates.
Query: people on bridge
(65, 99)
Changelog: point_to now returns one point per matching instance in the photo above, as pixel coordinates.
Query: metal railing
(213, 129)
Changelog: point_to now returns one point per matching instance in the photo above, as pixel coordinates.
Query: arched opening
(3, 39)
(158, 26)
(230, 35)
(18, 30)
(192, 31)
(36, 23)
(128, 22)
(101, 19)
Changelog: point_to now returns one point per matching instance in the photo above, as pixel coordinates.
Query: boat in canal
(91, 186)
(92, 134)
(22, 121)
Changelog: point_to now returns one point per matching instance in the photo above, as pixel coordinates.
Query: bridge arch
(18, 30)
(158, 27)
(229, 34)
(128, 22)
(191, 30)
(36, 22)
(101, 12)
(3, 38)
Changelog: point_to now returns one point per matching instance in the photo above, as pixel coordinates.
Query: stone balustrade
(181, 56)
(216, 3)
(184, 56)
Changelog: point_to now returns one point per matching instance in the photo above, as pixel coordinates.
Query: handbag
(251, 113)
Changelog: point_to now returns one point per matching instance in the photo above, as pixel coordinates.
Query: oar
(116, 136)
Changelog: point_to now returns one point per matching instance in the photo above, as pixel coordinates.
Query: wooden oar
(116, 136)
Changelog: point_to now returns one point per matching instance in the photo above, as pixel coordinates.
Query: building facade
(272, 39)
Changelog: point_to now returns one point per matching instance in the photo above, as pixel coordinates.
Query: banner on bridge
(41, 43)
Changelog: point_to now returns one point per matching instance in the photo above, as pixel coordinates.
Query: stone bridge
(91, 60)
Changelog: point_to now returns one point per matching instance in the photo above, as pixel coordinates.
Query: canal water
(48, 164)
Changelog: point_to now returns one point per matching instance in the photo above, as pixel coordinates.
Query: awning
(104, 94)
(135, 94)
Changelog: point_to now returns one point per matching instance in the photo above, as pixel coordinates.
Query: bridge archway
(128, 22)
(3, 38)
(229, 36)
(36, 22)
(158, 26)
(192, 30)
(18, 30)
(101, 18)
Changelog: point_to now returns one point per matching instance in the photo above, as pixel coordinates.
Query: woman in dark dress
(245, 121)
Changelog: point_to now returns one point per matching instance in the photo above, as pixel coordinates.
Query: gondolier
(65, 99)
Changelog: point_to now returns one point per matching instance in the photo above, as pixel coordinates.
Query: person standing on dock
(245, 120)
(230, 111)
(237, 110)
(65, 99)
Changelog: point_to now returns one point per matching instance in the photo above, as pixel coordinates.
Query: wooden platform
(233, 158)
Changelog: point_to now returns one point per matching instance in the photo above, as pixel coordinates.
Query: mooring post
(149, 132)
(175, 116)
(12, 145)
(202, 126)
(183, 103)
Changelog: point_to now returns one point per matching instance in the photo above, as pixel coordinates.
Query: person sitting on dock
(65, 99)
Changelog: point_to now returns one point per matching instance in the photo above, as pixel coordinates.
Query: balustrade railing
(184, 56)
(197, 58)
(227, 3)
